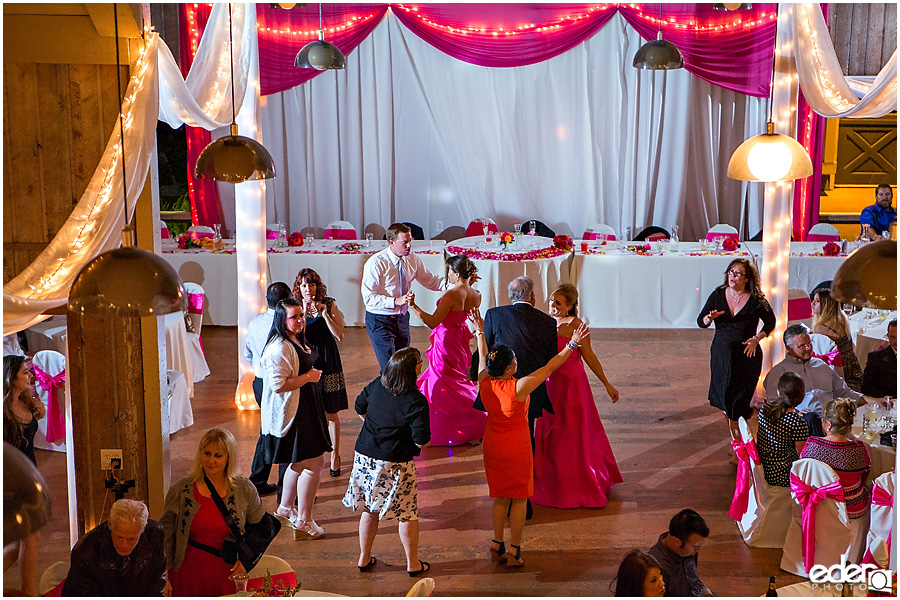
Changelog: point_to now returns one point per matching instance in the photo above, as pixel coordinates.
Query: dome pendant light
(128, 281)
(234, 158)
(658, 54)
(868, 277)
(319, 54)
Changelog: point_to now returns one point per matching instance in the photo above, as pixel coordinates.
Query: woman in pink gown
(574, 466)
(446, 381)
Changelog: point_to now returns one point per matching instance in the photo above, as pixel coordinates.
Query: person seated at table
(676, 551)
(383, 483)
(849, 458)
(639, 575)
(880, 376)
(880, 215)
(782, 431)
(124, 556)
(21, 410)
(446, 382)
(830, 320)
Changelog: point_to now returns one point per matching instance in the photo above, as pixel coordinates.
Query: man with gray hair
(122, 557)
(821, 381)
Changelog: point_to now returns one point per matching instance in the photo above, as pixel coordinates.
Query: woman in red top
(508, 463)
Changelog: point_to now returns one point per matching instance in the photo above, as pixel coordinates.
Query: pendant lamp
(26, 500)
(658, 54)
(319, 54)
(868, 277)
(731, 6)
(128, 281)
(234, 158)
(770, 156)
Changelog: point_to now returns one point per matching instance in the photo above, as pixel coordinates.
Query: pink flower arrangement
(729, 245)
(506, 238)
(831, 249)
(186, 242)
(550, 252)
(563, 242)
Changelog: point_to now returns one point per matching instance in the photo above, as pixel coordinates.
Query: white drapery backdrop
(407, 133)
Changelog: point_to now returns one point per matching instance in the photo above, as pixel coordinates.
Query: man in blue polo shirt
(880, 215)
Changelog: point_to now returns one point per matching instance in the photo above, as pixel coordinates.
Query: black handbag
(249, 547)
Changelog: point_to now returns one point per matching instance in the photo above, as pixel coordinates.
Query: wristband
(572, 346)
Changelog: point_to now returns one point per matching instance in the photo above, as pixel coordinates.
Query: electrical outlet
(110, 459)
(439, 225)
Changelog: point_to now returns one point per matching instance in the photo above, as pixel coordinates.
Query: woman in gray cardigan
(195, 529)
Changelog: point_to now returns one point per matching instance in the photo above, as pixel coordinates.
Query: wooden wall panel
(55, 152)
(864, 35)
(889, 39)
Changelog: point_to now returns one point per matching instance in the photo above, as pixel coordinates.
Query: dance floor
(669, 443)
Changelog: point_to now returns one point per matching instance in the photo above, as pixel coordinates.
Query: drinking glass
(584, 246)
(217, 229)
(703, 244)
(240, 583)
(517, 227)
(369, 238)
(532, 228)
(309, 238)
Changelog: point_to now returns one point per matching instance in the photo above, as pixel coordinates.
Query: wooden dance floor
(669, 443)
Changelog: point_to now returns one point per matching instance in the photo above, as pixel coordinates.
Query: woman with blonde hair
(195, 529)
(830, 320)
(574, 465)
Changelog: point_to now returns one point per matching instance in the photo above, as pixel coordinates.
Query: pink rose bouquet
(831, 249)
(563, 242)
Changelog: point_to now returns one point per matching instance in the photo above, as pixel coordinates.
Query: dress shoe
(266, 489)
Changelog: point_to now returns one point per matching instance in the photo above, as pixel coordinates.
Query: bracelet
(572, 346)
(478, 331)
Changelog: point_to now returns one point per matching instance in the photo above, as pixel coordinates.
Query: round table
(869, 332)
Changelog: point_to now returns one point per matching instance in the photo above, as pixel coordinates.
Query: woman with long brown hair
(21, 410)
(830, 320)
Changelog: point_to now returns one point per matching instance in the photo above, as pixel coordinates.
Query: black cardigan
(395, 426)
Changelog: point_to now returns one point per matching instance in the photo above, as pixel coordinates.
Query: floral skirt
(388, 489)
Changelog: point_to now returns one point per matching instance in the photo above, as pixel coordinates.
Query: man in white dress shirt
(257, 334)
(386, 281)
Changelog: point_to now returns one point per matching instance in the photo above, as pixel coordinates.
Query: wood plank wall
(864, 35)
(57, 119)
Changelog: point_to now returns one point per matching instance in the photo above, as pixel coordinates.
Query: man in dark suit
(531, 334)
(880, 376)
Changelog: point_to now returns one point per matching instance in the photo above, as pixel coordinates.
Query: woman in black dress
(292, 416)
(21, 410)
(735, 361)
(324, 329)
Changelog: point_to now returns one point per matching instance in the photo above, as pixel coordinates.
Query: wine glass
(309, 238)
(369, 238)
(517, 227)
(532, 228)
(240, 583)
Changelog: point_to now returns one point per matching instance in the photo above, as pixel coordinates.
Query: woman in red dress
(508, 463)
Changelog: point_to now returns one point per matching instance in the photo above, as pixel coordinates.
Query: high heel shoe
(372, 562)
(306, 530)
(498, 552)
(515, 560)
(287, 519)
(335, 472)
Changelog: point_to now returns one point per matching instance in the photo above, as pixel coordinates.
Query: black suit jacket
(531, 334)
(880, 376)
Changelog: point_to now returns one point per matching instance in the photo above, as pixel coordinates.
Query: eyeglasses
(806, 345)
(735, 273)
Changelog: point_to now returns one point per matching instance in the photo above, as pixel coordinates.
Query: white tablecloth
(178, 348)
(48, 335)
(181, 414)
(869, 333)
(216, 274)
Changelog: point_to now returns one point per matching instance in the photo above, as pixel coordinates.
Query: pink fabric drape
(833, 358)
(809, 498)
(880, 497)
(56, 420)
(745, 452)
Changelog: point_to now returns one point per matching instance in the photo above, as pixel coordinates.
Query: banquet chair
(651, 234)
(11, 346)
(722, 230)
(50, 384)
(476, 227)
(824, 348)
(278, 568)
(272, 230)
(824, 284)
(759, 235)
(542, 230)
(52, 579)
(200, 231)
(422, 588)
(181, 414)
(163, 231)
(799, 307)
(823, 232)
(415, 231)
(196, 298)
(341, 230)
(879, 549)
(834, 533)
(765, 522)
(453, 232)
(598, 229)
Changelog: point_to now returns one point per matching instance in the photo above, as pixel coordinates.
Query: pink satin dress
(446, 384)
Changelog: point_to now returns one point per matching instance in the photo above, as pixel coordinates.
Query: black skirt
(333, 387)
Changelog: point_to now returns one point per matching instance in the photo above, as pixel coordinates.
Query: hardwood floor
(669, 444)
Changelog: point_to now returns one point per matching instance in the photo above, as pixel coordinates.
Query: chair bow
(745, 452)
(56, 423)
(881, 497)
(809, 498)
(833, 358)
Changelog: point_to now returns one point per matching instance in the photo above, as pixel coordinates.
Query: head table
(618, 287)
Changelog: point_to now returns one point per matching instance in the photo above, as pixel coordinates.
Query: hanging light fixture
(26, 500)
(770, 156)
(128, 281)
(868, 277)
(234, 158)
(658, 54)
(731, 6)
(319, 54)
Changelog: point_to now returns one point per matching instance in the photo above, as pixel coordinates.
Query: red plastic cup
(584, 246)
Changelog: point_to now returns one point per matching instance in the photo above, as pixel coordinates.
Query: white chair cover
(181, 414)
(53, 576)
(421, 589)
(341, 230)
(799, 307)
(722, 230)
(823, 346)
(198, 360)
(201, 229)
(881, 526)
(11, 345)
(596, 230)
(52, 363)
(823, 232)
(834, 534)
(274, 564)
(768, 515)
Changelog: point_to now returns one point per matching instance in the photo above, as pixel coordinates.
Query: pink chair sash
(164, 232)
(340, 234)
(823, 237)
(195, 303)
(657, 236)
(200, 234)
(476, 228)
(745, 452)
(271, 234)
(799, 309)
(880, 497)
(594, 235)
(711, 235)
(56, 421)
(809, 498)
(833, 358)
(286, 579)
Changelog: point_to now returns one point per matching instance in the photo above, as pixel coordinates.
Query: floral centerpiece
(275, 589)
(350, 247)
(295, 239)
(831, 249)
(729, 244)
(563, 242)
(506, 238)
(186, 242)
